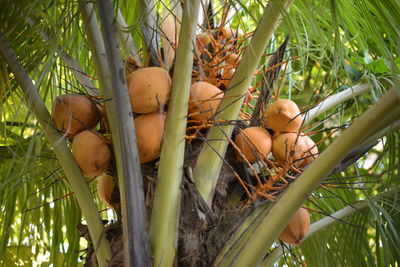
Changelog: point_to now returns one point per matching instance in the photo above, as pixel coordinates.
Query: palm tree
(338, 60)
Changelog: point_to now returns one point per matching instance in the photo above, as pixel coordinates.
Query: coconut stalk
(325, 222)
(208, 164)
(334, 100)
(134, 219)
(391, 127)
(69, 61)
(72, 171)
(150, 33)
(96, 44)
(389, 120)
(269, 82)
(165, 212)
(169, 27)
(260, 236)
(125, 39)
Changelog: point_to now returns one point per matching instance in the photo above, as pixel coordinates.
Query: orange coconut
(204, 100)
(149, 134)
(294, 146)
(226, 77)
(203, 38)
(251, 141)
(91, 152)
(73, 113)
(311, 152)
(226, 32)
(233, 59)
(297, 228)
(149, 89)
(284, 116)
(105, 188)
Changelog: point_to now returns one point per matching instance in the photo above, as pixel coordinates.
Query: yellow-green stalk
(165, 213)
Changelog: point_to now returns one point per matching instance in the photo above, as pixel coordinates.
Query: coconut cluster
(289, 147)
(287, 144)
(77, 116)
(208, 43)
(149, 91)
(217, 59)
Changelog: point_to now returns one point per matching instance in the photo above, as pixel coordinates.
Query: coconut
(73, 113)
(149, 134)
(233, 59)
(149, 89)
(226, 77)
(284, 116)
(288, 146)
(203, 38)
(295, 146)
(297, 228)
(105, 188)
(252, 140)
(204, 100)
(311, 152)
(91, 152)
(227, 32)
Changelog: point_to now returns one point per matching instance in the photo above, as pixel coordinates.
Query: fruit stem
(334, 100)
(125, 38)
